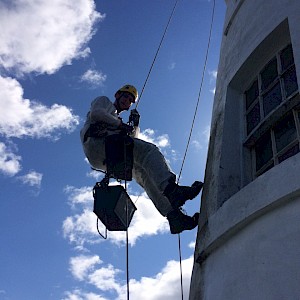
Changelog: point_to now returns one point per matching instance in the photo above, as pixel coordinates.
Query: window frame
(268, 122)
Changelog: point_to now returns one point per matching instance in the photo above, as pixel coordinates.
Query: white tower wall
(248, 243)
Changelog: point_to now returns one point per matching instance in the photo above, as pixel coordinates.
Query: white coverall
(150, 169)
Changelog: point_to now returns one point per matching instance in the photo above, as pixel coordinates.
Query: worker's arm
(134, 120)
(102, 110)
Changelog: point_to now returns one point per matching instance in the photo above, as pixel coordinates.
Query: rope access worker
(150, 168)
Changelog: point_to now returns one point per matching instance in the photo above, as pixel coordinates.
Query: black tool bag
(113, 207)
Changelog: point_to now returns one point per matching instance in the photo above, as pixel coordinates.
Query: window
(275, 86)
(278, 144)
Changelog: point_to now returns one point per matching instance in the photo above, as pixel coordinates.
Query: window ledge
(253, 201)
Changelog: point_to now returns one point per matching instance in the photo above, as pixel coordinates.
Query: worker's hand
(134, 117)
(126, 128)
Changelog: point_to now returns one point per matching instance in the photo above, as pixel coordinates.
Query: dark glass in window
(272, 99)
(289, 153)
(251, 94)
(253, 118)
(269, 167)
(263, 150)
(285, 132)
(290, 81)
(286, 57)
(269, 74)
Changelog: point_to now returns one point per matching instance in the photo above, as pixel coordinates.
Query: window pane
(272, 99)
(263, 150)
(270, 166)
(290, 81)
(289, 153)
(285, 132)
(269, 74)
(253, 118)
(286, 57)
(251, 94)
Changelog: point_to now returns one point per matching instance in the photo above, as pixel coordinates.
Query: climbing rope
(153, 62)
(188, 142)
(191, 130)
(127, 217)
(143, 88)
(180, 265)
(200, 90)
(127, 223)
(127, 259)
(195, 112)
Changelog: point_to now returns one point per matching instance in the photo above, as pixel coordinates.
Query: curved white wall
(248, 244)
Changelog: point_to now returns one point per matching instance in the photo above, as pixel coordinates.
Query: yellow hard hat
(130, 89)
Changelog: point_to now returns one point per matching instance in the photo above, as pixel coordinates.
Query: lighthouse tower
(248, 242)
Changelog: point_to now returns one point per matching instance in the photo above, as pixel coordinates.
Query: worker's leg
(157, 177)
(94, 149)
(148, 157)
(177, 220)
(160, 201)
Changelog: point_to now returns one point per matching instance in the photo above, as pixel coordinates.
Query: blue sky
(55, 58)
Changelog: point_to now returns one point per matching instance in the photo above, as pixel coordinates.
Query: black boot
(179, 222)
(178, 195)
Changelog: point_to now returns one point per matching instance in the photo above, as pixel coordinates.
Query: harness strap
(96, 130)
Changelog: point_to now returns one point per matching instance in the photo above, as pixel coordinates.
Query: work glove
(128, 129)
(134, 117)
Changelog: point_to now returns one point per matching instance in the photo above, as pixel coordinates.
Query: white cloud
(83, 268)
(213, 91)
(32, 178)
(53, 33)
(172, 66)
(80, 295)
(105, 279)
(203, 139)
(146, 222)
(163, 285)
(148, 135)
(94, 78)
(81, 228)
(213, 75)
(161, 141)
(79, 195)
(95, 174)
(192, 245)
(21, 117)
(197, 144)
(206, 133)
(9, 162)
(81, 265)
